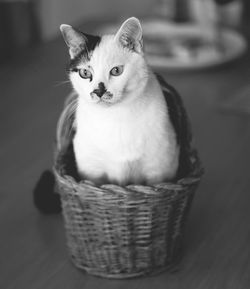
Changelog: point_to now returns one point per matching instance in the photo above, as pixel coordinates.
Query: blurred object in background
(165, 9)
(231, 12)
(26, 22)
(19, 27)
(182, 11)
(213, 16)
(246, 12)
(205, 14)
(171, 10)
(197, 33)
(52, 13)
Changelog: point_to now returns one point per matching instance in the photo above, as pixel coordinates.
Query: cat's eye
(85, 73)
(117, 70)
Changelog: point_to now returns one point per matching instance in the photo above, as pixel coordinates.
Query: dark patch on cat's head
(81, 45)
(85, 53)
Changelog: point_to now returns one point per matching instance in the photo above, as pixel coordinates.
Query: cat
(123, 131)
(129, 125)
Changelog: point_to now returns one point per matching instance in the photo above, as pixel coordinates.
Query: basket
(124, 232)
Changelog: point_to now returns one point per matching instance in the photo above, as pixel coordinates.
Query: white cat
(123, 132)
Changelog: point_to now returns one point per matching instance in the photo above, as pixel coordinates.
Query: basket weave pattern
(121, 232)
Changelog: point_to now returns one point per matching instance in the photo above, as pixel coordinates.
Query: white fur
(128, 138)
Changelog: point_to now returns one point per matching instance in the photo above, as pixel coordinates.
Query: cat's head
(108, 69)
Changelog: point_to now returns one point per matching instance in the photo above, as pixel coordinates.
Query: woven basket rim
(192, 178)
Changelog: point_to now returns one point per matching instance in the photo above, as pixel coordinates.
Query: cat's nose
(100, 90)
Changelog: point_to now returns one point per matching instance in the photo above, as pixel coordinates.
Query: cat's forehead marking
(85, 54)
(101, 52)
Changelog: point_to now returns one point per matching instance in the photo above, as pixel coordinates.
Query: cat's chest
(118, 135)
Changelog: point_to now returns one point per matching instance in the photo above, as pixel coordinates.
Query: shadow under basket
(124, 232)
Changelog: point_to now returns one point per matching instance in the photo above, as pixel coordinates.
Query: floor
(32, 246)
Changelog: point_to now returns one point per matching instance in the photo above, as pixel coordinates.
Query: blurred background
(27, 22)
(201, 47)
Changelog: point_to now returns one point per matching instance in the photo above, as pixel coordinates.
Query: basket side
(122, 237)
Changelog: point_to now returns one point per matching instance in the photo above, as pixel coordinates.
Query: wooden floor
(33, 254)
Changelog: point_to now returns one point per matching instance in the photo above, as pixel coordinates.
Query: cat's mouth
(107, 97)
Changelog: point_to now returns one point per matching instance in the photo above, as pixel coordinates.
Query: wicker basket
(123, 232)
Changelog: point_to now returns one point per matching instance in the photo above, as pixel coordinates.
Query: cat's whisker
(59, 83)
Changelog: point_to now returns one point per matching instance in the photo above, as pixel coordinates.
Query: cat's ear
(130, 35)
(75, 40)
